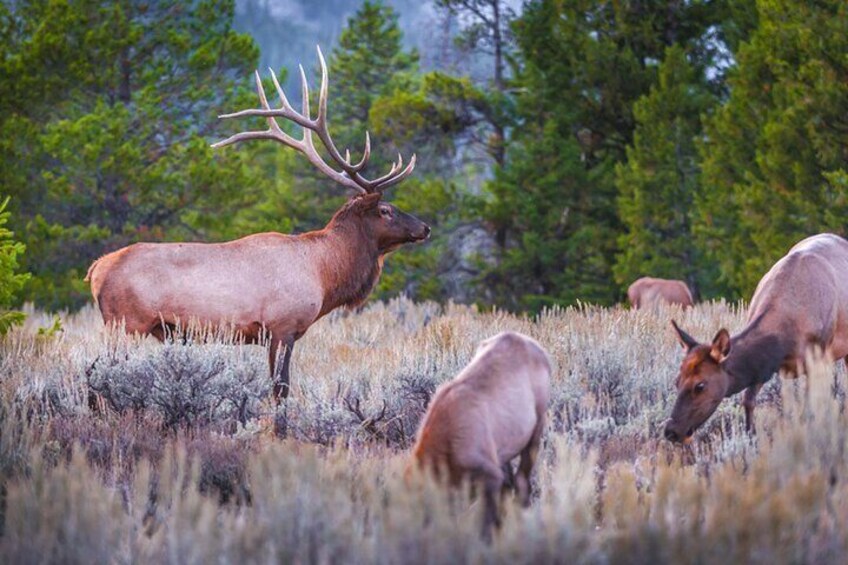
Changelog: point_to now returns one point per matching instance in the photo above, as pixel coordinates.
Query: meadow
(176, 460)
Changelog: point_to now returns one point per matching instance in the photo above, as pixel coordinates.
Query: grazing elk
(649, 292)
(492, 412)
(801, 302)
(268, 283)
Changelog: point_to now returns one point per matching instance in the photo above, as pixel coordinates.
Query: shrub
(10, 281)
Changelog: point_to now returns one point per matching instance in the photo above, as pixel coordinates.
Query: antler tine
(376, 182)
(365, 154)
(283, 99)
(263, 100)
(396, 167)
(267, 112)
(349, 176)
(307, 131)
(245, 135)
(324, 133)
(304, 92)
(323, 93)
(398, 177)
(273, 132)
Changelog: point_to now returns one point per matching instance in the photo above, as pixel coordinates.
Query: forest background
(565, 147)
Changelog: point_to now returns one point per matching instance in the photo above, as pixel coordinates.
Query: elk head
(390, 227)
(383, 223)
(701, 384)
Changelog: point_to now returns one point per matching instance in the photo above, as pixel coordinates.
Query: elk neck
(349, 262)
(756, 354)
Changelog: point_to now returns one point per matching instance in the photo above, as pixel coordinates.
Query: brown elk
(802, 302)
(266, 284)
(649, 292)
(492, 412)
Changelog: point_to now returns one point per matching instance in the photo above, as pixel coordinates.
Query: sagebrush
(123, 449)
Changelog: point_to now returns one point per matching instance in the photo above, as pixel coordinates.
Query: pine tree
(106, 113)
(582, 66)
(11, 281)
(365, 65)
(369, 55)
(368, 67)
(774, 160)
(657, 183)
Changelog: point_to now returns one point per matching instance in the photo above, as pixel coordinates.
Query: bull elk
(491, 413)
(649, 292)
(266, 284)
(801, 302)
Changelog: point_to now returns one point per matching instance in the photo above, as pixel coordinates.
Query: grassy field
(177, 461)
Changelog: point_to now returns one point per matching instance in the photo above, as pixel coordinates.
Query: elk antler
(350, 174)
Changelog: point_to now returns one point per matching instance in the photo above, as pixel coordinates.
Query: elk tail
(91, 270)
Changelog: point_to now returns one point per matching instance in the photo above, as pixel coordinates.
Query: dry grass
(179, 463)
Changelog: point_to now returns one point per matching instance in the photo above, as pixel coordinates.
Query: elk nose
(426, 231)
(671, 435)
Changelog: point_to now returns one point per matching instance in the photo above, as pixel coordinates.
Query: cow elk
(802, 302)
(492, 412)
(649, 293)
(266, 284)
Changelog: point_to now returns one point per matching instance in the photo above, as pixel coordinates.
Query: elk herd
(272, 287)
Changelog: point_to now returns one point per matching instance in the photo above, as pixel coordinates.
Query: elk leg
(280, 377)
(158, 331)
(749, 401)
(509, 478)
(165, 332)
(492, 484)
(526, 463)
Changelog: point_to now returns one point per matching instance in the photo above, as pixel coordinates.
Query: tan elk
(649, 292)
(269, 283)
(801, 302)
(491, 413)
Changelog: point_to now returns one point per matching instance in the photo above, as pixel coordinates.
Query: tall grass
(177, 461)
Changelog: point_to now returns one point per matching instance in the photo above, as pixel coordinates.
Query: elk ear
(367, 202)
(721, 346)
(686, 340)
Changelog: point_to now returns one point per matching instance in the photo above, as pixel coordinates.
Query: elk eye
(700, 387)
(385, 212)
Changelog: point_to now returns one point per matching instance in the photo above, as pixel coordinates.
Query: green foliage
(414, 270)
(695, 140)
(376, 87)
(368, 62)
(428, 117)
(365, 61)
(11, 281)
(107, 117)
(52, 330)
(773, 158)
(657, 183)
(559, 250)
(485, 33)
(584, 82)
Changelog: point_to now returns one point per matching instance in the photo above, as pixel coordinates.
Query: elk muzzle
(675, 434)
(415, 229)
(423, 234)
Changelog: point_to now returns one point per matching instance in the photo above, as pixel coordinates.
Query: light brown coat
(264, 283)
(491, 413)
(649, 292)
(801, 302)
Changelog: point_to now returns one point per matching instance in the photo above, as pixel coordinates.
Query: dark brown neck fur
(350, 263)
(756, 354)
